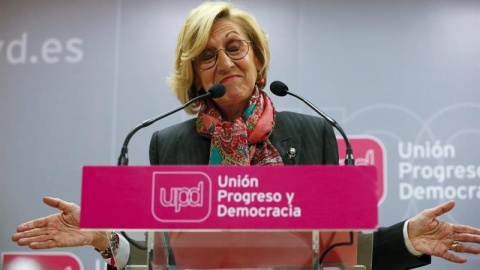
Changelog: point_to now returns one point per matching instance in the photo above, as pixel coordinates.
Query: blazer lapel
(287, 141)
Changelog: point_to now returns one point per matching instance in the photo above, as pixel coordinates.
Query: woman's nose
(223, 60)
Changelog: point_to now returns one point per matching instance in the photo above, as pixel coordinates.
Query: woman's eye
(207, 55)
(233, 47)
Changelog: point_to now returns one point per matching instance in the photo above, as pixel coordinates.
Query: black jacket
(315, 143)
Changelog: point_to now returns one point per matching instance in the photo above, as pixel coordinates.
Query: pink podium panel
(258, 249)
(230, 198)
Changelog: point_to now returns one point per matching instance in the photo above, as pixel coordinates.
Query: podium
(216, 217)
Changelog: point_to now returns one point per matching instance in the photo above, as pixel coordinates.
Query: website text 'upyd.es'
(19, 50)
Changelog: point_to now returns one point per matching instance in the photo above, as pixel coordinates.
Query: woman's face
(238, 76)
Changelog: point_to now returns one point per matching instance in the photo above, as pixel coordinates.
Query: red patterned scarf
(244, 141)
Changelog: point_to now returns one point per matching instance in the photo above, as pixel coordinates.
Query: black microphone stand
(123, 158)
(281, 89)
(216, 91)
(349, 160)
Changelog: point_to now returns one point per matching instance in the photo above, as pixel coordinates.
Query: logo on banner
(181, 196)
(370, 151)
(40, 261)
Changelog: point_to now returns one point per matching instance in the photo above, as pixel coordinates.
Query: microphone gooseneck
(281, 89)
(216, 91)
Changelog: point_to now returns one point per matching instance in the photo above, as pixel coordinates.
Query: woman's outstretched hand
(58, 230)
(442, 239)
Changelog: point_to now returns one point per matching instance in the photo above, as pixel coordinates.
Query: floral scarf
(244, 141)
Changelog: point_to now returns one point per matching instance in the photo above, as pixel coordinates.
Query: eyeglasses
(235, 49)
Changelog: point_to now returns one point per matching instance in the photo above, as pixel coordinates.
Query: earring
(261, 81)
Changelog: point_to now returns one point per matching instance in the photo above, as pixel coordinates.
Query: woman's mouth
(229, 78)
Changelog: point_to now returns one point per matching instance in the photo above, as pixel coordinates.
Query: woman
(222, 44)
(219, 44)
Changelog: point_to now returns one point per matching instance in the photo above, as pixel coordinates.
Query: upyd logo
(181, 196)
(368, 150)
(40, 261)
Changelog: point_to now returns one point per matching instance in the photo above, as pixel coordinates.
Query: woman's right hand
(58, 230)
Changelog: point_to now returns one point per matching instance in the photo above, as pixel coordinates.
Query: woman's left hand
(442, 239)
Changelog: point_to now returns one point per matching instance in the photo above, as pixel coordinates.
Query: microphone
(216, 91)
(281, 89)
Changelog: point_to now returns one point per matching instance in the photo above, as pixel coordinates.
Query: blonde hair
(193, 38)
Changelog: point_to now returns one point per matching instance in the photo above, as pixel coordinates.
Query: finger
(453, 257)
(468, 249)
(465, 229)
(60, 204)
(35, 239)
(32, 233)
(466, 237)
(43, 245)
(32, 224)
(440, 209)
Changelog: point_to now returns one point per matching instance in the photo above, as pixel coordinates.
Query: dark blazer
(314, 141)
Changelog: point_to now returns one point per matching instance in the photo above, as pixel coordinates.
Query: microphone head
(279, 88)
(217, 90)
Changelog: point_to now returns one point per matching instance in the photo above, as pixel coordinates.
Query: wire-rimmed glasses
(235, 49)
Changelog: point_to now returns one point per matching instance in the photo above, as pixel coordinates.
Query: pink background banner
(43, 260)
(216, 197)
(369, 151)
